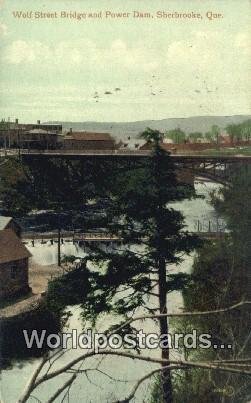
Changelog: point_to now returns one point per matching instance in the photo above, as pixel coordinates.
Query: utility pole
(9, 132)
(59, 246)
(18, 140)
(5, 138)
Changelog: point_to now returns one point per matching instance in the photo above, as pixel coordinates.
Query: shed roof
(11, 247)
(4, 221)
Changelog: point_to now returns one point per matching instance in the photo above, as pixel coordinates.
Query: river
(97, 387)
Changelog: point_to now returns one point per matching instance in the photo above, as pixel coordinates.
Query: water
(98, 387)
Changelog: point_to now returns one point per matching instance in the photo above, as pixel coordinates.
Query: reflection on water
(102, 389)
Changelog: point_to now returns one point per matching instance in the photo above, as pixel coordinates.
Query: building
(224, 138)
(131, 144)
(29, 135)
(38, 139)
(88, 141)
(202, 140)
(14, 264)
(10, 223)
(166, 140)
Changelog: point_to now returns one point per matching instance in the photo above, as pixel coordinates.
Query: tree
(154, 237)
(16, 187)
(221, 276)
(46, 371)
(233, 204)
(194, 136)
(215, 133)
(177, 135)
(246, 130)
(209, 136)
(64, 183)
(234, 132)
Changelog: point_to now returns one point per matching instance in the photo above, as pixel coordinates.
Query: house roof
(132, 143)
(4, 221)
(89, 136)
(11, 247)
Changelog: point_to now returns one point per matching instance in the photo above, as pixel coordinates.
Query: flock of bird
(96, 95)
(152, 89)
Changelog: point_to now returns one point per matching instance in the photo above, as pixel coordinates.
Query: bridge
(64, 153)
(85, 238)
(218, 168)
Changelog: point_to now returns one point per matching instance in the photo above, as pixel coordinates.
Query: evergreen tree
(153, 236)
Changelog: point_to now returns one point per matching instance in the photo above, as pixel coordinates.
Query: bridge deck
(123, 153)
(100, 237)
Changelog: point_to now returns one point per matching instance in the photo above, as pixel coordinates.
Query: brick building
(88, 141)
(14, 264)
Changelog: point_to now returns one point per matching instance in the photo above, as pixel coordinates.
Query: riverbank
(39, 276)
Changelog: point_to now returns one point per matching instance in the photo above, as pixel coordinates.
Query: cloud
(26, 52)
(192, 75)
(3, 29)
(82, 52)
(134, 57)
(206, 48)
(242, 42)
(200, 49)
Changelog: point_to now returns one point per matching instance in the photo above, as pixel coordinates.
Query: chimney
(38, 122)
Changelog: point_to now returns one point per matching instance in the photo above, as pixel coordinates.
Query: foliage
(221, 277)
(194, 136)
(151, 136)
(177, 135)
(69, 289)
(233, 203)
(4, 125)
(16, 187)
(151, 236)
(51, 184)
(240, 131)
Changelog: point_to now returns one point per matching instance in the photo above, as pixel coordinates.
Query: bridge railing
(64, 151)
(206, 228)
(210, 226)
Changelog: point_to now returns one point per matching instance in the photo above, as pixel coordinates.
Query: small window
(14, 271)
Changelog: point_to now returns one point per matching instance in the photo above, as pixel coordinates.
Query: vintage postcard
(125, 188)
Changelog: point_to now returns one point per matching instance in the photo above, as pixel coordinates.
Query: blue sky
(60, 69)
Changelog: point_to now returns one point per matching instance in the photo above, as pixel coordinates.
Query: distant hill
(121, 130)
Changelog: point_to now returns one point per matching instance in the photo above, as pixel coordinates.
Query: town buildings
(38, 136)
(131, 144)
(47, 136)
(88, 141)
(50, 136)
